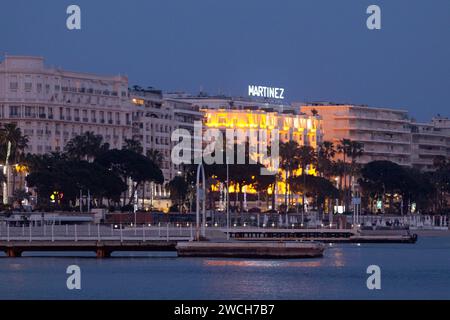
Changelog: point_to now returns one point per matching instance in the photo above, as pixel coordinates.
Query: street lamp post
(201, 170)
(228, 205)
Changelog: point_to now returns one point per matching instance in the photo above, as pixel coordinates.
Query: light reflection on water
(417, 271)
(261, 263)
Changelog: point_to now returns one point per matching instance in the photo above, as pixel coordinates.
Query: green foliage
(86, 146)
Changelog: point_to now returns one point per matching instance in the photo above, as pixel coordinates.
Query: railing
(95, 232)
(412, 221)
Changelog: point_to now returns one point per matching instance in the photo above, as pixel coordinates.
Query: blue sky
(316, 49)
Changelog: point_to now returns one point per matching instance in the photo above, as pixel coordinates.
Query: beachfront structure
(291, 126)
(305, 130)
(428, 142)
(155, 118)
(385, 133)
(51, 105)
(240, 113)
(443, 123)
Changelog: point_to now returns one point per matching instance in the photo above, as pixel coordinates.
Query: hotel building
(238, 113)
(52, 106)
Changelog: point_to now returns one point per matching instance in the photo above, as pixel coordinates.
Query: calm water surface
(419, 271)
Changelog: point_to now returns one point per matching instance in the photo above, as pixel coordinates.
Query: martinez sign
(266, 92)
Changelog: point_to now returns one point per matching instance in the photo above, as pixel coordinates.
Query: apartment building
(443, 123)
(428, 142)
(385, 133)
(51, 105)
(155, 118)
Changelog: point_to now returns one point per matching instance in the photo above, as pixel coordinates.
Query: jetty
(102, 249)
(278, 250)
(319, 235)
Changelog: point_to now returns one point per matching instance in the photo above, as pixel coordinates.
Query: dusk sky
(316, 49)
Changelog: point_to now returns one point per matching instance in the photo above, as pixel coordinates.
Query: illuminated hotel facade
(305, 130)
(244, 114)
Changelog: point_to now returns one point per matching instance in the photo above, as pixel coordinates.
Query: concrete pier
(320, 235)
(102, 249)
(278, 250)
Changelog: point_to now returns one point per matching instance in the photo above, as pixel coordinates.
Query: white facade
(52, 106)
(155, 118)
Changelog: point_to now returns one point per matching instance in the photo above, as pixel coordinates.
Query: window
(13, 86)
(14, 111)
(28, 86)
(29, 112)
(68, 114)
(42, 112)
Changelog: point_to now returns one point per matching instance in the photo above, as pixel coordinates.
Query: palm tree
(86, 146)
(15, 143)
(325, 156)
(133, 145)
(289, 161)
(353, 150)
(306, 156)
(156, 156)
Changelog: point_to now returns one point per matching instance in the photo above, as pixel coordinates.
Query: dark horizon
(316, 50)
